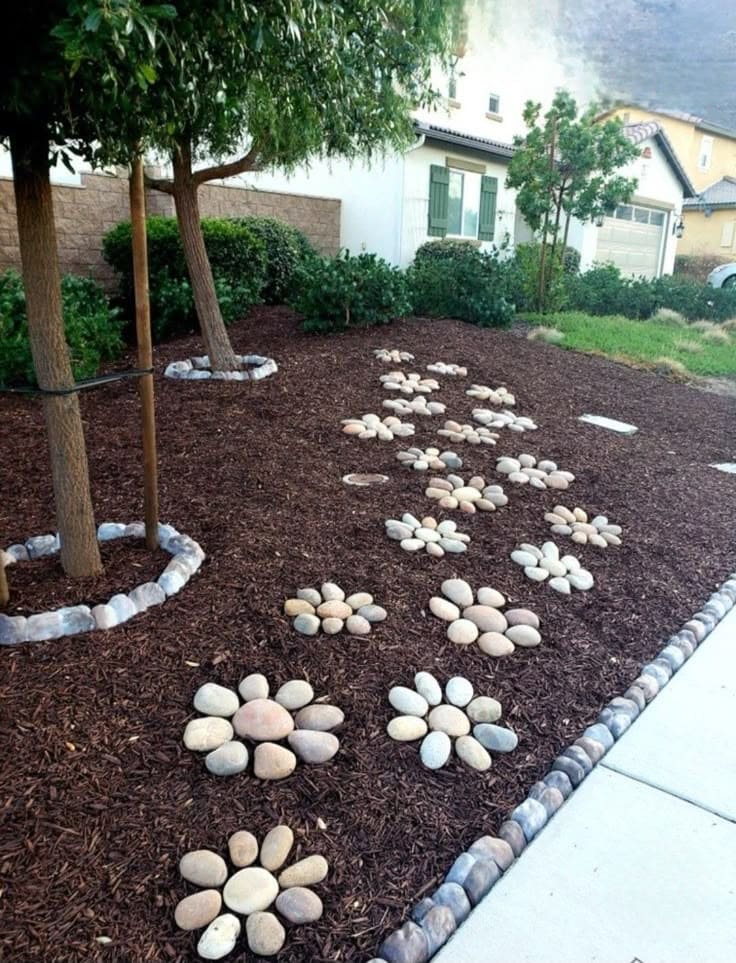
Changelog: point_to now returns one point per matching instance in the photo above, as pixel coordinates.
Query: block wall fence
(86, 212)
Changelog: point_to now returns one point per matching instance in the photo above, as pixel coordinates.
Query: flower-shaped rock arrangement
(371, 426)
(427, 536)
(470, 433)
(440, 720)
(267, 722)
(574, 522)
(476, 495)
(526, 470)
(328, 611)
(409, 384)
(392, 356)
(441, 367)
(415, 406)
(477, 617)
(544, 564)
(503, 419)
(429, 458)
(249, 891)
(496, 396)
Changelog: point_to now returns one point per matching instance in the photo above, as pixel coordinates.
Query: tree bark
(80, 554)
(145, 351)
(4, 590)
(214, 333)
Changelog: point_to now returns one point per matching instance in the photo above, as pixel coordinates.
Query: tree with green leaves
(567, 165)
(237, 86)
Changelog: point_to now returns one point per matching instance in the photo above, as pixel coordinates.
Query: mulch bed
(40, 584)
(100, 798)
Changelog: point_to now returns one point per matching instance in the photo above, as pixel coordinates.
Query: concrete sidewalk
(639, 866)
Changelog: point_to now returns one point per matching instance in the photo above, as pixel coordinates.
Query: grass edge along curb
(475, 871)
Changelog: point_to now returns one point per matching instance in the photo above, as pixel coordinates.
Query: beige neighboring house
(708, 154)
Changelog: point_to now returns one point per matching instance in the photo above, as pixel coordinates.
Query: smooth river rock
(458, 591)
(228, 759)
(472, 753)
(454, 896)
(462, 632)
(254, 686)
(294, 694)
(406, 945)
(496, 738)
(313, 747)
(406, 728)
(458, 691)
(428, 687)
(407, 701)
(357, 625)
(524, 635)
(480, 880)
(435, 750)
(307, 624)
(204, 735)
(219, 938)
(264, 933)
(490, 596)
(243, 848)
(450, 720)
(372, 613)
(491, 847)
(306, 872)
(439, 924)
(334, 610)
(486, 618)
(271, 761)
(495, 644)
(299, 905)
(262, 720)
(294, 607)
(203, 868)
(250, 890)
(484, 709)
(276, 847)
(447, 611)
(195, 911)
(319, 717)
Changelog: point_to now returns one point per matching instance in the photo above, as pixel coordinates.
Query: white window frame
(706, 152)
(464, 175)
(497, 108)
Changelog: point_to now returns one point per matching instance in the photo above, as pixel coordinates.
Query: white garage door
(632, 240)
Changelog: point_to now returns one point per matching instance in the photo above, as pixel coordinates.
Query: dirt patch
(91, 834)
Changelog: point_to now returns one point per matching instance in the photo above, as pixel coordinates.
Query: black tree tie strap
(80, 385)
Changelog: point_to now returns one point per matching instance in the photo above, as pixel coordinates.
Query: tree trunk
(214, 333)
(80, 554)
(4, 590)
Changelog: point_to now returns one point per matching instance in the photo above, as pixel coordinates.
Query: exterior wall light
(678, 227)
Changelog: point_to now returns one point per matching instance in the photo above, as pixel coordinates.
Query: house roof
(482, 145)
(644, 130)
(719, 195)
(684, 115)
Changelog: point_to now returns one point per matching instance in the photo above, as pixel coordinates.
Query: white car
(724, 276)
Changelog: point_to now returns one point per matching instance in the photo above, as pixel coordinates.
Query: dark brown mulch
(41, 584)
(91, 834)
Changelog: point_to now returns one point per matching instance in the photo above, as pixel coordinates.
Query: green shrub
(91, 326)
(335, 294)
(603, 290)
(286, 250)
(453, 279)
(524, 270)
(237, 255)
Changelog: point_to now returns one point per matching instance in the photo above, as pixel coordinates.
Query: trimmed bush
(237, 256)
(92, 328)
(286, 249)
(335, 294)
(452, 279)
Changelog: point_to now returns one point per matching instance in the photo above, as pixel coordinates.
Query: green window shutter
(487, 214)
(439, 187)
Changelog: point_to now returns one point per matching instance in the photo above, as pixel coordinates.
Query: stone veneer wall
(85, 213)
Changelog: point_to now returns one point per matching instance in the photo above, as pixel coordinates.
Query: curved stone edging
(198, 369)
(473, 874)
(75, 619)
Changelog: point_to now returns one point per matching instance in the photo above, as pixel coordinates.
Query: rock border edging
(198, 369)
(435, 918)
(76, 619)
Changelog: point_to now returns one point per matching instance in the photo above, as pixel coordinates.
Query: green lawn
(643, 342)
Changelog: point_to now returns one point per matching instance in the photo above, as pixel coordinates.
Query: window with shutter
(439, 184)
(487, 213)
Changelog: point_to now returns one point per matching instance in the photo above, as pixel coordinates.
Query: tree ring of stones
(364, 480)
(76, 619)
(254, 368)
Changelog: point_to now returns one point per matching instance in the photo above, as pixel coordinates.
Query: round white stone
(428, 687)
(407, 701)
(458, 691)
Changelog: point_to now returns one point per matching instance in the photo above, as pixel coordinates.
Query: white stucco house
(641, 237)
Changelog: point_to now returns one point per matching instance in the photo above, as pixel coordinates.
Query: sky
(678, 54)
